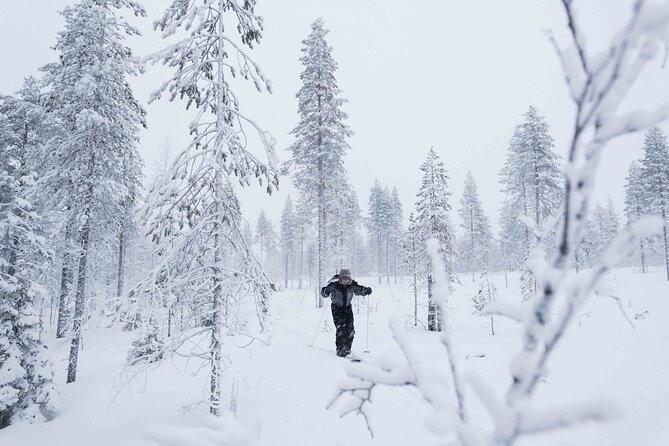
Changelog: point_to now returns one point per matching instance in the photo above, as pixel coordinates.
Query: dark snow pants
(343, 320)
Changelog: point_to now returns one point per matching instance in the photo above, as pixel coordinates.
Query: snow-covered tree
(266, 238)
(598, 233)
(26, 373)
(432, 221)
(532, 181)
(148, 347)
(636, 204)
(655, 174)
(377, 223)
(303, 238)
(607, 224)
(486, 295)
(395, 228)
(211, 266)
(287, 237)
(343, 221)
(90, 164)
(320, 135)
(512, 237)
(477, 238)
(384, 228)
(413, 259)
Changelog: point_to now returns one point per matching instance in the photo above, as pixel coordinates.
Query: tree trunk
(80, 297)
(387, 260)
(65, 287)
(492, 325)
(301, 268)
(286, 279)
(395, 257)
(121, 257)
(432, 309)
(471, 233)
(321, 213)
(666, 241)
(217, 291)
(415, 284)
(378, 254)
(643, 257)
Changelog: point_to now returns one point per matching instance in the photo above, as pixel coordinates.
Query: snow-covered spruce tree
(528, 285)
(413, 259)
(148, 347)
(532, 181)
(211, 261)
(303, 238)
(586, 251)
(343, 221)
(287, 237)
(512, 237)
(598, 84)
(655, 174)
(486, 295)
(636, 204)
(320, 134)
(598, 232)
(377, 223)
(432, 221)
(477, 238)
(132, 180)
(26, 373)
(90, 94)
(606, 226)
(395, 227)
(266, 238)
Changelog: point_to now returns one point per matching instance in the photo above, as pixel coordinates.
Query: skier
(342, 288)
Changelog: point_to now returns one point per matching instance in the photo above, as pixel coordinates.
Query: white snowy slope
(284, 388)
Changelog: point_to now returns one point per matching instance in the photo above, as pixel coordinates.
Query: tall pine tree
(90, 94)
(320, 135)
(432, 221)
(212, 265)
(532, 182)
(636, 204)
(26, 372)
(477, 238)
(655, 174)
(377, 222)
(287, 237)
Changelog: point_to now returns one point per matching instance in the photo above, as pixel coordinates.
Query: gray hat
(345, 273)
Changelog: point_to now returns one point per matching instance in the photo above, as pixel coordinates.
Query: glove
(366, 291)
(325, 292)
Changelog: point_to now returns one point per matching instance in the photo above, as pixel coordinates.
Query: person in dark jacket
(341, 289)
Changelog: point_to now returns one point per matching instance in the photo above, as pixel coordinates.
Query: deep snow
(284, 388)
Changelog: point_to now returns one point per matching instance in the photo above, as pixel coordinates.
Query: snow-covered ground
(284, 388)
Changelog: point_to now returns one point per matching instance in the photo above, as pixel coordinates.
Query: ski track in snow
(285, 387)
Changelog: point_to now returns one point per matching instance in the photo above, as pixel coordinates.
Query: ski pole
(367, 336)
(319, 325)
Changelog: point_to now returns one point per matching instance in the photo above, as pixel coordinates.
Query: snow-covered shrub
(148, 348)
(486, 295)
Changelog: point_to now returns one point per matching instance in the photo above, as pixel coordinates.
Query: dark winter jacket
(342, 295)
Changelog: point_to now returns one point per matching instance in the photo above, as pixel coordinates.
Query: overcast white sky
(456, 75)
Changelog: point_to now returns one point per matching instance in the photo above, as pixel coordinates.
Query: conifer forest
(307, 222)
